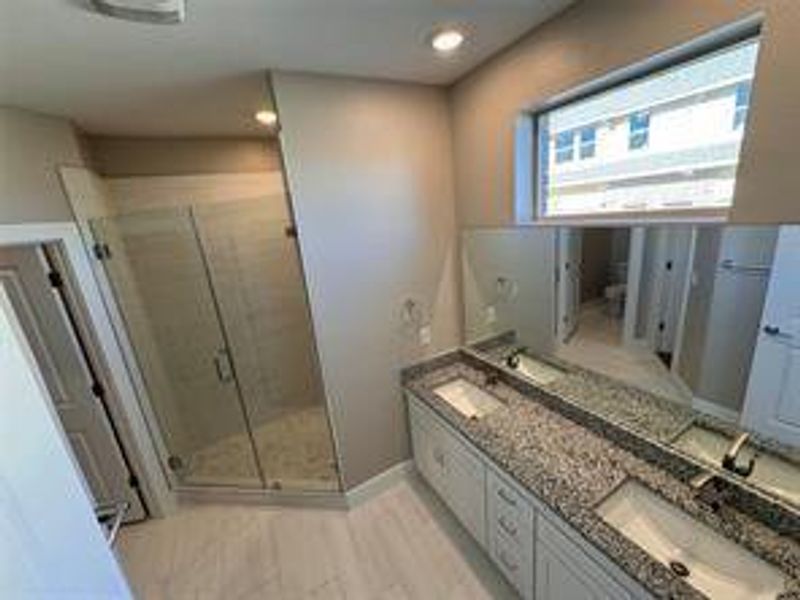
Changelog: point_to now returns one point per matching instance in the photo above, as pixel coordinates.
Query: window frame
(583, 143)
(740, 32)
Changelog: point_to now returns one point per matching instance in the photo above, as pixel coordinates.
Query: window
(588, 139)
(565, 142)
(659, 143)
(742, 96)
(639, 131)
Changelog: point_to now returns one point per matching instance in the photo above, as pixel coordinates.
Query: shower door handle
(222, 364)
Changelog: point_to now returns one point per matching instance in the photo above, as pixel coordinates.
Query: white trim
(633, 284)
(138, 444)
(379, 483)
(687, 288)
(715, 410)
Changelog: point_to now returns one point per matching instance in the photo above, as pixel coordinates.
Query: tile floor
(400, 545)
(295, 450)
(597, 345)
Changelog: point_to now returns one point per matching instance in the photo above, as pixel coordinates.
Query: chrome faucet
(512, 359)
(729, 460)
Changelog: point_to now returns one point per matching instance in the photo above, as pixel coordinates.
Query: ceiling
(206, 76)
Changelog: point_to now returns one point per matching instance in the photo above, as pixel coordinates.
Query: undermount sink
(467, 398)
(709, 562)
(536, 370)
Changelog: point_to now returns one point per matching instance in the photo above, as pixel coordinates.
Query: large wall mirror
(702, 321)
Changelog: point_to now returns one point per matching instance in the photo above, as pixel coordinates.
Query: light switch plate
(425, 335)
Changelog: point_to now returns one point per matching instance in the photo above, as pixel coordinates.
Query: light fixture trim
(267, 117)
(447, 40)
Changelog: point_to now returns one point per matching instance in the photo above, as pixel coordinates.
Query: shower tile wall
(256, 274)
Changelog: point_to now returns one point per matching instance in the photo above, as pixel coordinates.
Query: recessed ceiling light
(447, 40)
(267, 117)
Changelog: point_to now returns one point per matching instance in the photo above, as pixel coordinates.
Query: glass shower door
(158, 273)
(256, 271)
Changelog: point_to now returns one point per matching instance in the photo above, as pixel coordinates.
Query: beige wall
(32, 147)
(142, 156)
(369, 169)
(593, 38)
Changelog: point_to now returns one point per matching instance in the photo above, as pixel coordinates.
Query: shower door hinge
(102, 251)
(98, 390)
(133, 481)
(290, 231)
(56, 280)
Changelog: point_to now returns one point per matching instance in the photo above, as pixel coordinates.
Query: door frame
(126, 412)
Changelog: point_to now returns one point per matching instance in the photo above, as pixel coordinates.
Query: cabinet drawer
(508, 509)
(514, 562)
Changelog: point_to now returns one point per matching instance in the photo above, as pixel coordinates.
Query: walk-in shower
(211, 298)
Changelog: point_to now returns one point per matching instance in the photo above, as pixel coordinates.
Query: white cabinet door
(427, 447)
(565, 572)
(465, 488)
(772, 404)
(555, 580)
(454, 470)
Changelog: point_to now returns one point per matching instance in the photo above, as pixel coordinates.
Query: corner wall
(32, 147)
(369, 169)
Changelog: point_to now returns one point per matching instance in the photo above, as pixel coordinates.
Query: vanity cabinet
(536, 552)
(453, 469)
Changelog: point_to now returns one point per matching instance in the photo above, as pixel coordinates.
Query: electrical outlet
(425, 335)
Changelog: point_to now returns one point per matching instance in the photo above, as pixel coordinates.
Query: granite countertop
(641, 411)
(572, 467)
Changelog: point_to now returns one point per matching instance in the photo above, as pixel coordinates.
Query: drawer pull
(507, 563)
(509, 529)
(506, 498)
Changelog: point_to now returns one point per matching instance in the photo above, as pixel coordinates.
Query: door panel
(106, 475)
(160, 281)
(569, 282)
(772, 404)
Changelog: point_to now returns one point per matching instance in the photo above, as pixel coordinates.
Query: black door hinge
(662, 326)
(56, 280)
(669, 265)
(102, 251)
(290, 231)
(133, 481)
(98, 390)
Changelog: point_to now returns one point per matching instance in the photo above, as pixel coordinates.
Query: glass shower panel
(159, 277)
(255, 270)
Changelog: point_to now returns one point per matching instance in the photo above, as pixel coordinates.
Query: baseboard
(715, 410)
(262, 497)
(378, 484)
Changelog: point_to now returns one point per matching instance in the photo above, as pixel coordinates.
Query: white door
(772, 403)
(569, 282)
(71, 380)
(51, 545)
